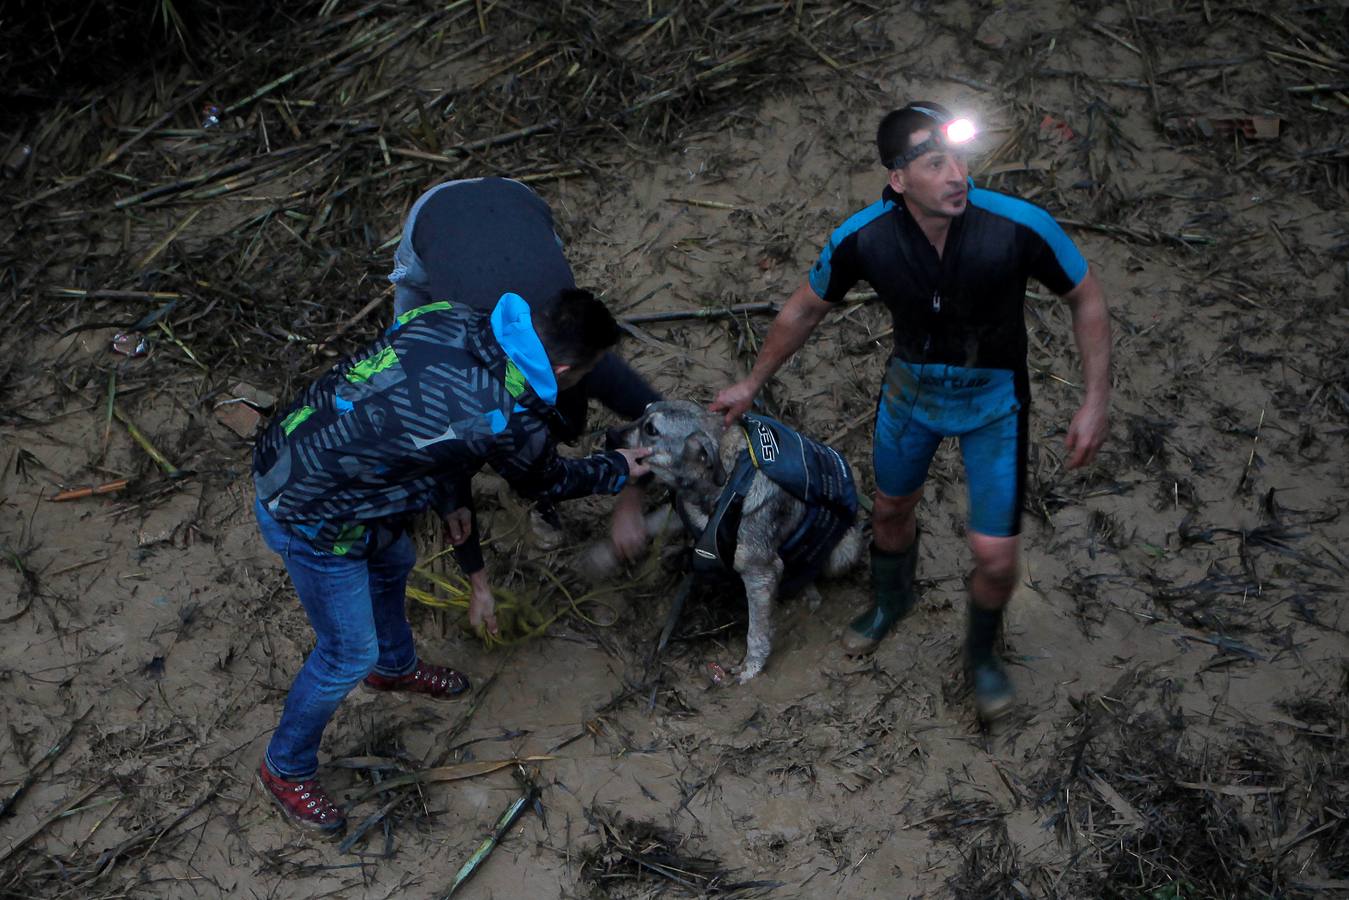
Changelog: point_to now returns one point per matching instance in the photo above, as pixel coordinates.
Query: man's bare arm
(1091, 331)
(793, 324)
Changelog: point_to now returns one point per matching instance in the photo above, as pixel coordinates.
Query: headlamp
(950, 132)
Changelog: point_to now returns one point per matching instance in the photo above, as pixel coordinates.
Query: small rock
(240, 417)
(991, 33)
(257, 398)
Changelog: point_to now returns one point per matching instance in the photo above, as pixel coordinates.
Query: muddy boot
(892, 593)
(993, 694)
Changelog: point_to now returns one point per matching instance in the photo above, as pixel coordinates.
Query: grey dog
(693, 452)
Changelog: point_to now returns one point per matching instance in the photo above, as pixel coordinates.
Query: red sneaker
(437, 682)
(303, 803)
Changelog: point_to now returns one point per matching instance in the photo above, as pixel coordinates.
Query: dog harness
(810, 471)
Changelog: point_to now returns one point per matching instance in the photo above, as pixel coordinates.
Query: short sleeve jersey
(965, 307)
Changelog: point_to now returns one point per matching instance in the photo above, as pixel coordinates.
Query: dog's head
(686, 444)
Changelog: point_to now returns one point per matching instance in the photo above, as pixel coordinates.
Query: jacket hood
(513, 327)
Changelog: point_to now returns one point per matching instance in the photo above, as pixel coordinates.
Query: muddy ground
(1178, 640)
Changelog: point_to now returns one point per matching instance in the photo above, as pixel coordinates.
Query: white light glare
(960, 131)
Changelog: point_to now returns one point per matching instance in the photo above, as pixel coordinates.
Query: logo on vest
(768, 443)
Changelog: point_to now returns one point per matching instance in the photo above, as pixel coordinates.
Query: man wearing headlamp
(951, 262)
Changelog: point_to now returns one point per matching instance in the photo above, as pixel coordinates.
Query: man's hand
(481, 605)
(735, 400)
(634, 455)
(627, 531)
(1087, 432)
(459, 524)
(792, 325)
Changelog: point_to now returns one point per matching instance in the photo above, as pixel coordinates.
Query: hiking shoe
(303, 803)
(993, 693)
(437, 682)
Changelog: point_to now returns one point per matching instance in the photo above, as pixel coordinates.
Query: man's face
(936, 182)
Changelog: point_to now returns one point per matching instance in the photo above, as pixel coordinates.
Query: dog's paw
(747, 670)
(813, 598)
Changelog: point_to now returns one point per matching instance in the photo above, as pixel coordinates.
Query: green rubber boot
(993, 692)
(892, 576)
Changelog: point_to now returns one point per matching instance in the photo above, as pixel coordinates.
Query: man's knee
(892, 520)
(996, 560)
(893, 512)
(362, 659)
(348, 660)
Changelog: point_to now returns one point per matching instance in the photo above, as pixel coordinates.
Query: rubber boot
(993, 693)
(892, 576)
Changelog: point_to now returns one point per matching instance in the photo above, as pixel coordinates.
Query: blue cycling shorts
(921, 404)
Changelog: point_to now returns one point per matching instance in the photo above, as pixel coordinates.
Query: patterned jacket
(404, 424)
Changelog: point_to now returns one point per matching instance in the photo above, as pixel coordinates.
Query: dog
(782, 508)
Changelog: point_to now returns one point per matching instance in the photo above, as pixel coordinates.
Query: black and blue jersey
(963, 308)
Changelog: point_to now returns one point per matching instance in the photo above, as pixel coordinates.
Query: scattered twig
(144, 443)
(504, 823)
(1250, 459)
(110, 487)
(52, 754)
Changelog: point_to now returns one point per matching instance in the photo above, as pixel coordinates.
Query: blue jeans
(357, 610)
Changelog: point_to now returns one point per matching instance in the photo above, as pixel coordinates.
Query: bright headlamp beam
(948, 133)
(960, 131)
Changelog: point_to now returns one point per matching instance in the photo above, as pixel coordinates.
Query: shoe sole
(311, 827)
(858, 650)
(993, 711)
(408, 695)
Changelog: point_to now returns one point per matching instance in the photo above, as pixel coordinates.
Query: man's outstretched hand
(634, 456)
(734, 401)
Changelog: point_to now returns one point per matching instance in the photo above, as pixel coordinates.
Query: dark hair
(576, 329)
(895, 133)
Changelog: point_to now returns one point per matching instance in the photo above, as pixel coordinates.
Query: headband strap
(936, 142)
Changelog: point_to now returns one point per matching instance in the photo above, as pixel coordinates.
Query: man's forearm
(630, 497)
(1091, 330)
(793, 324)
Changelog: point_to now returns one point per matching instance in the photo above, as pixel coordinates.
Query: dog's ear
(700, 450)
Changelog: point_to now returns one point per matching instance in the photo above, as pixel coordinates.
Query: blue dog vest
(810, 471)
